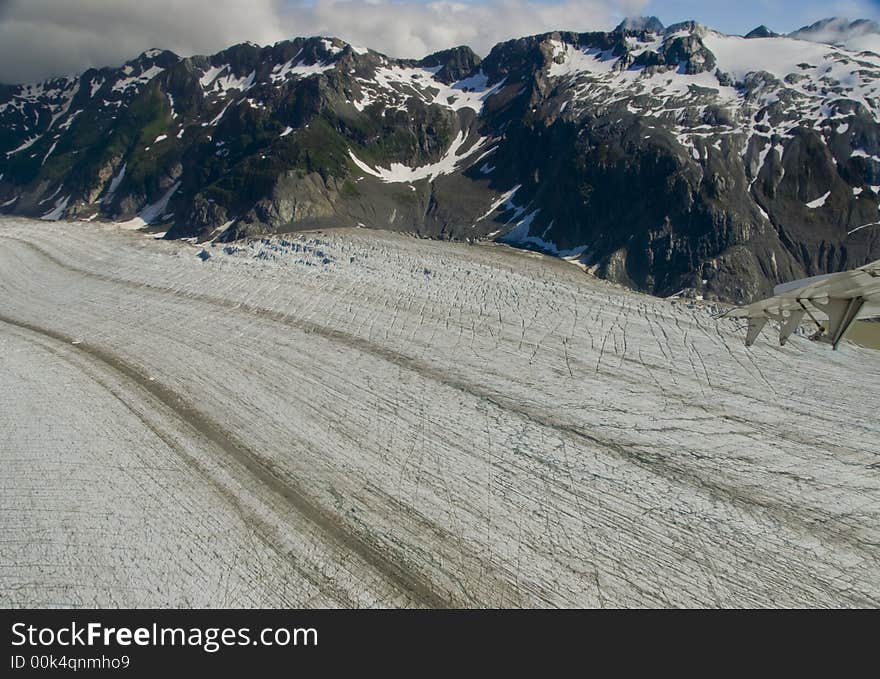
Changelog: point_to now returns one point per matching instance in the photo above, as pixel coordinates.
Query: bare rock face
(761, 32)
(206, 216)
(294, 200)
(663, 158)
(104, 174)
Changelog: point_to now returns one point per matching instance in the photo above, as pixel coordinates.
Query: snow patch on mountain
(449, 163)
(394, 85)
(861, 153)
(329, 46)
(225, 83)
(819, 202)
(114, 184)
(57, 212)
(503, 200)
(293, 68)
(122, 85)
(152, 212)
(216, 119)
(211, 73)
(25, 145)
(568, 60)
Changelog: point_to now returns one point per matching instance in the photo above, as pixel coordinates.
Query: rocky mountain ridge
(664, 158)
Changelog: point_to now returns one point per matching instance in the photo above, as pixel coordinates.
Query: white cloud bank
(414, 29)
(42, 38)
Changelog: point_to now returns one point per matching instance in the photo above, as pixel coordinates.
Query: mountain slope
(662, 158)
(856, 35)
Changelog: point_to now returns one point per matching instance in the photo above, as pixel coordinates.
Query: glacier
(364, 419)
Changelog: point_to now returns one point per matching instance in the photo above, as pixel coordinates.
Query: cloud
(851, 9)
(413, 29)
(43, 38)
(861, 35)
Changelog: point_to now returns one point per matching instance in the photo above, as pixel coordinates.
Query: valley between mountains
(355, 418)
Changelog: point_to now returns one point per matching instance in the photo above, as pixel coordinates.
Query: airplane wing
(833, 301)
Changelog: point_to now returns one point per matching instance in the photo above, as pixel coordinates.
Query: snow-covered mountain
(854, 35)
(662, 158)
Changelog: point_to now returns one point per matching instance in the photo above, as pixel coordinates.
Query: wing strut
(790, 325)
(812, 317)
(756, 325)
(841, 313)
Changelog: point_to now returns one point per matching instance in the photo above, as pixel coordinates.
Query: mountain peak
(858, 35)
(761, 32)
(456, 63)
(651, 24)
(841, 24)
(690, 26)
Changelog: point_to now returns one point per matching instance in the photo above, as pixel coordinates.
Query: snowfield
(356, 418)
